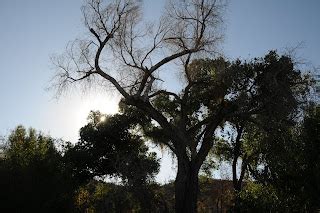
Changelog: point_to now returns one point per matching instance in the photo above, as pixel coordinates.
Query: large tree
(133, 58)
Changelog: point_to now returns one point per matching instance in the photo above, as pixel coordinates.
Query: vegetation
(36, 177)
(117, 32)
(33, 175)
(254, 115)
(111, 148)
(212, 90)
(108, 197)
(264, 124)
(291, 165)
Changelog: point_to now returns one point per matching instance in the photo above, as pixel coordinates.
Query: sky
(32, 31)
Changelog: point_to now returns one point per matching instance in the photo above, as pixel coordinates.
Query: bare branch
(171, 57)
(130, 54)
(159, 92)
(96, 35)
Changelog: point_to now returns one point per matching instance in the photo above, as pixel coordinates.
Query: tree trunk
(186, 187)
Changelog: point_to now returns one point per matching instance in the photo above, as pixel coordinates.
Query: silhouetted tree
(211, 90)
(187, 28)
(33, 176)
(310, 151)
(110, 147)
(288, 169)
(292, 164)
(243, 136)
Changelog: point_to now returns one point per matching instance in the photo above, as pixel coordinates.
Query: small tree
(212, 90)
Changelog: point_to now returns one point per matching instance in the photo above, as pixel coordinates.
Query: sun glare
(71, 113)
(97, 102)
(103, 118)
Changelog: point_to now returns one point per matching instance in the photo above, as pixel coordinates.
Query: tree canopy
(213, 91)
(33, 175)
(111, 147)
(292, 164)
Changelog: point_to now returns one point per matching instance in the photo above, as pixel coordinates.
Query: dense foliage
(33, 175)
(111, 147)
(97, 196)
(36, 177)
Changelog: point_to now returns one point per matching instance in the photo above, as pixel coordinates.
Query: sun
(68, 115)
(102, 118)
(95, 102)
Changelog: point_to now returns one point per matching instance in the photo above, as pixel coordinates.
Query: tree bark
(186, 187)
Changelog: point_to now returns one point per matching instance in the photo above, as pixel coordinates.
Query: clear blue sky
(33, 30)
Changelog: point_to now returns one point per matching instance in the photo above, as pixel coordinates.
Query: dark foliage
(112, 148)
(107, 197)
(33, 176)
(290, 173)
